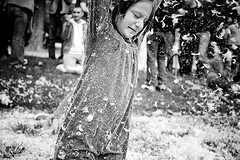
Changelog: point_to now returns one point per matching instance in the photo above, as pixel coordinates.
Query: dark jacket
(65, 6)
(28, 4)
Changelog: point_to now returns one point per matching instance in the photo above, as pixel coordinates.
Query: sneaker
(12, 63)
(24, 62)
(148, 87)
(17, 66)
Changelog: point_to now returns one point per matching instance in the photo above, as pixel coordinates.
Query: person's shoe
(17, 66)
(24, 62)
(61, 67)
(60, 57)
(148, 87)
(13, 62)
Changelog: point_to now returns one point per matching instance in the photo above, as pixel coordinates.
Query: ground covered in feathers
(187, 121)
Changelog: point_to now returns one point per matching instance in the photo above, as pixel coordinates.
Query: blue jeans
(155, 74)
(19, 19)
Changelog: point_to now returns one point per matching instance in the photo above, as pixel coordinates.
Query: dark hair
(122, 8)
(77, 4)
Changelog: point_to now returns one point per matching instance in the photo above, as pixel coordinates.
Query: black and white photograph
(120, 80)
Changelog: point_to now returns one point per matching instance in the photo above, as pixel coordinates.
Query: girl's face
(77, 13)
(135, 18)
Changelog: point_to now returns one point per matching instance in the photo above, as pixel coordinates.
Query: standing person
(19, 13)
(153, 72)
(84, 5)
(57, 12)
(160, 44)
(232, 36)
(74, 34)
(96, 125)
(4, 35)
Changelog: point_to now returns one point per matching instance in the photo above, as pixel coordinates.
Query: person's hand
(68, 17)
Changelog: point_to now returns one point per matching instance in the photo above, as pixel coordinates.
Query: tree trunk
(36, 41)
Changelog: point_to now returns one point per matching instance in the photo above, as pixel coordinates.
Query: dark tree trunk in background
(36, 41)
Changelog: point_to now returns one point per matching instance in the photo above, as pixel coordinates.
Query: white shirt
(77, 43)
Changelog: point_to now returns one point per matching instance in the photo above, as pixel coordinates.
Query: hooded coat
(97, 117)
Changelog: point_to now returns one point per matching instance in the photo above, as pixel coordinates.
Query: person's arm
(84, 7)
(68, 2)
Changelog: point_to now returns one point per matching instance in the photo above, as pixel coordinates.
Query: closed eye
(137, 15)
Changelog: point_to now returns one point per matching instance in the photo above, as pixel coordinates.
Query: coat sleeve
(68, 2)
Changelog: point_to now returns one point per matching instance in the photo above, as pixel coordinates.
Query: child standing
(73, 45)
(96, 125)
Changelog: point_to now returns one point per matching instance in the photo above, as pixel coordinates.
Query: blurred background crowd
(194, 37)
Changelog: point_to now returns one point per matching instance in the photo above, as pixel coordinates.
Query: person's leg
(71, 65)
(61, 21)
(161, 66)
(236, 77)
(21, 22)
(69, 62)
(151, 59)
(76, 155)
(52, 35)
(111, 157)
(203, 44)
(4, 34)
(169, 39)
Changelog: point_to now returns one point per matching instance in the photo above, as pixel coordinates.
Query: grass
(186, 122)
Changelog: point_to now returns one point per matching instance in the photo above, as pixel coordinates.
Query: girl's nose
(139, 25)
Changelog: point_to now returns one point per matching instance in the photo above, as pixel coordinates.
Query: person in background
(154, 73)
(84, 5)
(232, 36)
(74, 34)
(4, 35)
(160, 45)
(57, 12)
(96, 123)
(19, 13)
